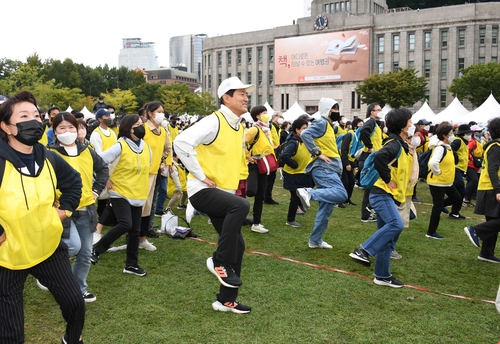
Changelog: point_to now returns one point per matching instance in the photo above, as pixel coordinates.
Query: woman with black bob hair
(394, 165)
(31, 220)
(488, 198)
(130, 159)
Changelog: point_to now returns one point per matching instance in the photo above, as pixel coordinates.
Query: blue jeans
(329, 191)
(382, 242)
(80, 245)
(162, 194)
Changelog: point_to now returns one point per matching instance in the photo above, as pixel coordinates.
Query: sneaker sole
(291, 225)
(89, 300)
(210, 267)
(366, 221)
(134, 273)
(432, 237)
(320, 247)
(261, 231)
(466, 230)
(222, 308)
(487, 260)
(359, 260)
(385, 284)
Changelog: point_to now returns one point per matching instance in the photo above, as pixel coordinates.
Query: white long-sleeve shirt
(203, 132)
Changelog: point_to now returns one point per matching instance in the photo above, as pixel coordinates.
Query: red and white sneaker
(234, 307)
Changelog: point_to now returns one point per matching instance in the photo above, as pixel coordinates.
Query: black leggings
(454, 199)
(256, 188)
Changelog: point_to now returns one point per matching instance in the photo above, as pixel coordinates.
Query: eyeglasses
(377, 110)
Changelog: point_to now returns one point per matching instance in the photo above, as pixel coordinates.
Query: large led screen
(328, 57)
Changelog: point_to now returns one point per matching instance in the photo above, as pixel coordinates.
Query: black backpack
(423, 163)
(278, 151)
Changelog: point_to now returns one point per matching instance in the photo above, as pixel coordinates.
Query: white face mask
(385, 130)
(451, 138)
(411, 131)
(467, 137)
(164, 123)
(380, 115)
(427, 128)
(415, 141)
(280, 121)
(159, 117)
(67, 138)
(112, 115)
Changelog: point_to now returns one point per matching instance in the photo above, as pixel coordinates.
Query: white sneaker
(189, 212)
(96, 237)
(41, 286)
(305, 197)
(146, 245)
(323, 244)
(259, 229)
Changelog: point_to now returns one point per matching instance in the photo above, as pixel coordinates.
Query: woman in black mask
(130, 159)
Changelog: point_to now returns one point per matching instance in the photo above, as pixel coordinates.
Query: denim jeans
(329, 191)
(382, 242)
(162, 194)
(80, 245)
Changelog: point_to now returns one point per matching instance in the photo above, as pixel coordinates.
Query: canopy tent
(247, 117)
(385, 110)
(452, 111)
(86, 113)
(69, 109)
(486, 111)
(293, 113)
(270, 110)
(425, 112)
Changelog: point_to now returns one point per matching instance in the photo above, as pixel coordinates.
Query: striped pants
(54, 273)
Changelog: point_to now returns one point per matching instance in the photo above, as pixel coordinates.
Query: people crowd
(104, 174)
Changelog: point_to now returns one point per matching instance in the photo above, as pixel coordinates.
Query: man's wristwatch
(317, 153)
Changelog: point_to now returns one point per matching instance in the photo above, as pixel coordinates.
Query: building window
(209, 60)
(395, 66)
(493, 59)
(249, 102)
(427, 95)
(442, 98)
(259, 76)
(444, 68)
(411, 64)
(481, 60)
(461, 37)
(395, 43)
(381, 44)
(271, 100)
(209, 81)
(239, 75)
(427, 40)
(444, 39)
(342, 6)
(411, 41)
(249, 55)
(271, 77)
(228, 75)
(427, 68)
(249, 77)
(238, 56)
(219, 59)
(332, 8)
(229, 57)
(380, 67)
(347, 6)
(494, 35)
(482, 35)
(259, 56)
(259, 99)
(461, 65)
(271, 53)
(327, 8)
(337, 9)
(219, 79)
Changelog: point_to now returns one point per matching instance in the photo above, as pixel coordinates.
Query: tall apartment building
(187, 51)
(136, 54)
(343, 42)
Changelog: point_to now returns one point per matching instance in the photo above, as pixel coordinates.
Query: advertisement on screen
(327, 57)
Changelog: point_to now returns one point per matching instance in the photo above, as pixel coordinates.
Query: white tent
(385, 110)
(452, 112)
(486, 111)
(86, 113)
(270, 110)
(293, 113)
(247, 117)
(425, 112)
(69, 109)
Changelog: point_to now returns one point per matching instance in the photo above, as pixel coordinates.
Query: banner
(327, 57)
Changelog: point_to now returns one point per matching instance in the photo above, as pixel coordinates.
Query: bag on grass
(169, 222)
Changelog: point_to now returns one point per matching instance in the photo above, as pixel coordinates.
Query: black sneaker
(361, 256)
(152, 234)
(64, 340)
(225, 273)
(271, 201)
(94, 257)
(339, 205)
(489, 259)
(351, 202)
(234, 307)
(456, 216)
(471, 233)
(88, 297)
(181, 206)
(389, 282)
(159, 214)
(134, 270)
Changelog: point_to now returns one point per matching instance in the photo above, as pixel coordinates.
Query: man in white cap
(212, 151)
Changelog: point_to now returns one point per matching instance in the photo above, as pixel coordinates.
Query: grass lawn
(297, 294)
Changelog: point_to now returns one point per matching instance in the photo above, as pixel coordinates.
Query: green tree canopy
(477, 82)
(398, 88)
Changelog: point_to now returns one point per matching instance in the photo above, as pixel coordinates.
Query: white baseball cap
(233, 83)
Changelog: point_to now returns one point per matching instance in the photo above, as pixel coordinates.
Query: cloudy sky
(91, 31)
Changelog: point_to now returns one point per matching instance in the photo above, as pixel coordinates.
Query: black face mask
(107, 121)
(139, 131)
(29, 132)
(335, 116)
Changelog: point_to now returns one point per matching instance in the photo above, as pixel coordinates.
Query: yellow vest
(157, 144)
(107, 141)
(484, 176)
(221, 159)
(376, 138)
(399, 175)
(275, 135)
(182, 179)
(340, 130)
(302, 157)
(131, 175)
(327, 143)
(45, 139)
(425, 146)
(447, 167)
(463, 155)
(84, 164)
(263, 146)
(32, 226)
(173, 132)
(115, 130)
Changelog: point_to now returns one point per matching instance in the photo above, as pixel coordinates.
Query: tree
(178, 98)
(147, 92)
(398, 88)
(477, 82)
(121, 100)
(205, 104)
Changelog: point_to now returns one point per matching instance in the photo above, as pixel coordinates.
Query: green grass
(291, 302)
